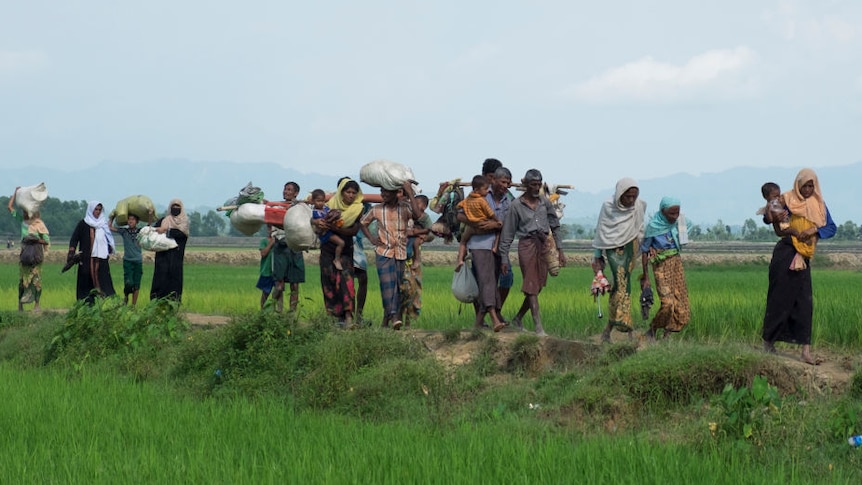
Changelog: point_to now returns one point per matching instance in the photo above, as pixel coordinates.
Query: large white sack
(139, 205)
(385, 174)
(298, 232)
(248, 218)
(151, 240)
(29, 199)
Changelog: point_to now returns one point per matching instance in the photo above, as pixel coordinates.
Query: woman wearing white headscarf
(168, 270)
(92, 236)
(618, 232)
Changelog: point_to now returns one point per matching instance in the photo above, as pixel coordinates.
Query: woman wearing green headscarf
(661, 247)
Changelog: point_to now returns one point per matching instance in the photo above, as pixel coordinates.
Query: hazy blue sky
(586, 91)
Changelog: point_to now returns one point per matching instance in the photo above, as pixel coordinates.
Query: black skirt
(789, 302)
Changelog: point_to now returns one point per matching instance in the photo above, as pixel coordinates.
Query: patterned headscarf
(812, 208)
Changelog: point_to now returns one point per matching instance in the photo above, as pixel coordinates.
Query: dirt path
(201, 320)
(833, 374)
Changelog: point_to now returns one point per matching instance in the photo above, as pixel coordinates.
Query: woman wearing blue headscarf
(661, 247)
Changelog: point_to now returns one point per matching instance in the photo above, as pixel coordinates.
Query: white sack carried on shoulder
(151, 240)
(29, 199)
(298, 232)
(139, 205)
(464, 285)
(248, 218)
(385, 174)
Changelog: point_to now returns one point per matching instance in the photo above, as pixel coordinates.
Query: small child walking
(133, 259)
(265, 281)
(321, 211)
(476, 209)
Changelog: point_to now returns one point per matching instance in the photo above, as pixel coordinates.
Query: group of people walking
(91, 245)
(799, 217)
(495, 219)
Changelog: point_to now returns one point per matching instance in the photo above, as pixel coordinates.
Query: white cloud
(793, 24)
(715, 73)
(12, 61)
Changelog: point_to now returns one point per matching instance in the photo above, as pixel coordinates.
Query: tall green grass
(99, 428)
(727, 302)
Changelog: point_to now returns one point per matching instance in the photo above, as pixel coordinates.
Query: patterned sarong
(390, 272)
(411, 291)
(674, 313)
(621, 262)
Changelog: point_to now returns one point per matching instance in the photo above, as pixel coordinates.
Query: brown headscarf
(812, 208)
(180, 222)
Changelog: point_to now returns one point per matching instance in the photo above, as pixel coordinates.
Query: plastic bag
(29, 199)
(151, 240)
(139, 205)
(464, 285)
(248, 218)
(250, 195)
(600, 284)
(298, 232)
(385, 174)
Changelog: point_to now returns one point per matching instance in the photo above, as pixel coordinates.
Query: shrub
(746, 411)
(108, 327)
(341, 355)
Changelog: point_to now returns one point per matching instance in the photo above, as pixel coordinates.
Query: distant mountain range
(731, 196)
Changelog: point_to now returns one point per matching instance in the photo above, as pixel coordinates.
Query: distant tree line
(61, 217)
(751, 230)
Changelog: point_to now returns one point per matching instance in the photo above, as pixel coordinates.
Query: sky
(587, 92)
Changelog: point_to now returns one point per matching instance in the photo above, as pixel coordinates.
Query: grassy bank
(111, 393)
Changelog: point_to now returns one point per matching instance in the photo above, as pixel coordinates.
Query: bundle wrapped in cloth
(151, 240)
(250, 194)
(386, 174)
(139, 205)
(30, 199)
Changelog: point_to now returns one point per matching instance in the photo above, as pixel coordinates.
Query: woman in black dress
(168, 271)
(789, 298)
(92, 236)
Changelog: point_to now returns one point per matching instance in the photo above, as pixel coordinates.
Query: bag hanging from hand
(31, 251)
(552, 256)
(464, 285)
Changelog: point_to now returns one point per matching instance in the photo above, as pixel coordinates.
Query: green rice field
(727, 302)
(271, 398)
